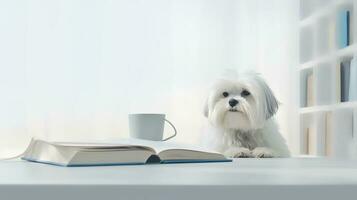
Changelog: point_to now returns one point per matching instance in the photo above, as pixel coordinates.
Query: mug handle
(173, 128)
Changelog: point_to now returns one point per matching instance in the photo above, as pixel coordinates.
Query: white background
(74, 69)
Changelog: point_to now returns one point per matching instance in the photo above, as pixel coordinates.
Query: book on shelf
(119, 153)
(320, 133)
(345, 80)
(328, 134)
(323, 86)
(353, 80)
(305, 141)
(339, 132)
(343, 28)
(310, 98)
(337, 86)
(311, 141)
(353, 148)
(331, 34)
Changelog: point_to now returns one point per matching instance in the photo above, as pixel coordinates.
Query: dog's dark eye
(225, 94)
(245, 93)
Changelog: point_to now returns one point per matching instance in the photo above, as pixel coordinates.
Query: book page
(97, 145)
(160, 146)
(131, 144)
(176, 152)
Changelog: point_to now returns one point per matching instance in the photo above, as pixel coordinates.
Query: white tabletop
(251, 178)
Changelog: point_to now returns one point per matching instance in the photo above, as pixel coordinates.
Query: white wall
(267, 40)
(73, 69)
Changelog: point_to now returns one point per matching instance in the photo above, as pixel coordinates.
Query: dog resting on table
(241, 115)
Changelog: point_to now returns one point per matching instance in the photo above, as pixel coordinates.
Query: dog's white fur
(247, 129)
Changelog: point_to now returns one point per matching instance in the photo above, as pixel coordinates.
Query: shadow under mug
(149, 126)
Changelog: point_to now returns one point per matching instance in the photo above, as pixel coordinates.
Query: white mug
(149, 126)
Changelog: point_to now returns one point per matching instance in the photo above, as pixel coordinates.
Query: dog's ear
(205, 108)
(270, 102)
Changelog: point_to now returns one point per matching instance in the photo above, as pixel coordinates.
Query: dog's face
(244, 104)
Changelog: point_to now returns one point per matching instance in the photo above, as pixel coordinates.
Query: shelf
(317, 61)
(320, 77)
(348, 51)
(328, 107)
(318, 14)
(327, 9)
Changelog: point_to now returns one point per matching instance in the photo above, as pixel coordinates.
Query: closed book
(337, 86)
(311, 141)
(343, 28)
(305, 143)
(353, 80)
(328, 134)
(310, 98)
(345, 80)
(304, 126)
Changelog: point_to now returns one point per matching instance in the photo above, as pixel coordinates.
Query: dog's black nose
(233, 102)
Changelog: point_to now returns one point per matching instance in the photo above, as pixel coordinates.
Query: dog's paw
(238, 153)
(262, 152)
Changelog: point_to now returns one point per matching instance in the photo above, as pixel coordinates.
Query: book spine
(310, 100)
(312, 141)
(328, 134)
(345, 80)
(353, 148)
(343, 29)
(332, 35)
(353, 80)
(337, 86)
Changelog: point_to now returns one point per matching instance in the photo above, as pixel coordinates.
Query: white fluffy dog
(241, 113)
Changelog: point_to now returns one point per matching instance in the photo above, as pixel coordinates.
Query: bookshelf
(326, 123)
(331, 107)
(340, 53)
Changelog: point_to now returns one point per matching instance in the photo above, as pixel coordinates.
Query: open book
(125, 152)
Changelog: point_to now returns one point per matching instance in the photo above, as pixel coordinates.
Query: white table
(295, 178)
